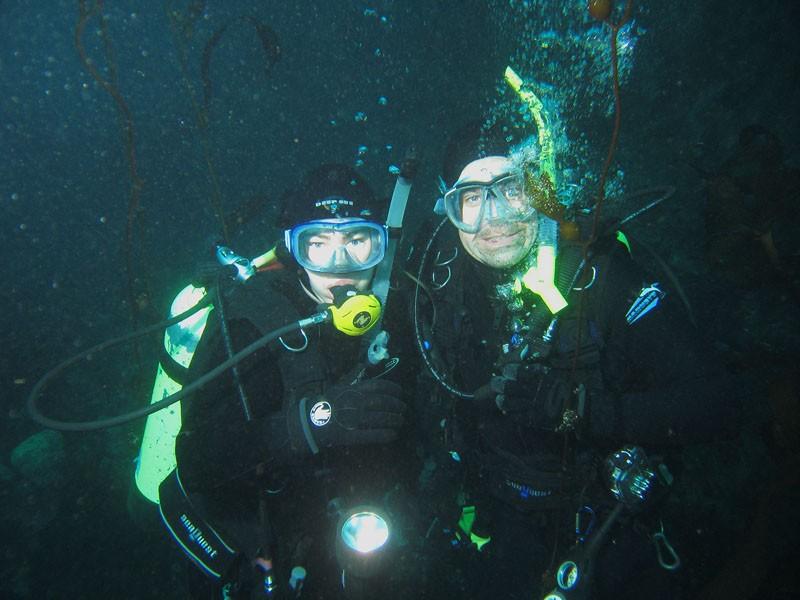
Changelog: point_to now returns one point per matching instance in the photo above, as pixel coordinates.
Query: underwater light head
(363, 542)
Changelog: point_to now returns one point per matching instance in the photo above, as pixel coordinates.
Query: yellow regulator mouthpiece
(540, 279)
(357, 314)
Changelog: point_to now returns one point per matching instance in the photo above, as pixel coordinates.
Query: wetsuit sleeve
(217, 444)
(662, 383)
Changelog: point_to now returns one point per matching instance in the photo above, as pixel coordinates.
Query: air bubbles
(361, 154)
(373, 14)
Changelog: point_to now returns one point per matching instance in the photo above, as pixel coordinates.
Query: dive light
(362, 545)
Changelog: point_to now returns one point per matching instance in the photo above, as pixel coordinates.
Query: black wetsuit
(230, 466)
(652, 383)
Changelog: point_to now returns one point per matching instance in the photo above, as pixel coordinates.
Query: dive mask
(489, 189)
(337, 245)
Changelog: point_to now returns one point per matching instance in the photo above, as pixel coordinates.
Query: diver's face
(501, 244)
(320, 284)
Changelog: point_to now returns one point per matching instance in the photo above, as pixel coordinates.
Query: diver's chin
(503, 258)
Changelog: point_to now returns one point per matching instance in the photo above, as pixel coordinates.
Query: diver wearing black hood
(253, 491)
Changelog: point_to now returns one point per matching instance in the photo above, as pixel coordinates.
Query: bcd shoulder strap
(262, 302)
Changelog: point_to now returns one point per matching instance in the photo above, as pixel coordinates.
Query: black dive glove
(369, 412)
(537, 393)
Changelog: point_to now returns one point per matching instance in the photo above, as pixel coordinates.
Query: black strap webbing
(202, 543)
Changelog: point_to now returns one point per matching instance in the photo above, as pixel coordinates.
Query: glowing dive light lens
(365, 532)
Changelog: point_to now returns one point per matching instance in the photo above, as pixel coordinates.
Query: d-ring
(436, 284)
(290, 349)
(444, 263)
(590, 284)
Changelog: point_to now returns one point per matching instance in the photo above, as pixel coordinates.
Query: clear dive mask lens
(337, 245)
(504, 199)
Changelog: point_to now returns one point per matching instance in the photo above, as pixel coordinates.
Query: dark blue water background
(701, 72)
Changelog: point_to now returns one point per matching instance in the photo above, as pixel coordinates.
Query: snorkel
(540, 278)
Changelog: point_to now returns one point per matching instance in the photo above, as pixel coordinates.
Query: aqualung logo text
(197, 536)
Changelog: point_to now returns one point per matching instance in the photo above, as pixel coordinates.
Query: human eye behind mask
(340, 247)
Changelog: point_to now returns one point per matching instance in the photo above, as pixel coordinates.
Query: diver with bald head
(547, 359)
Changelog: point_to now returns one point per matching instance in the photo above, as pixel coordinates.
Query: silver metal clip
(672, 561)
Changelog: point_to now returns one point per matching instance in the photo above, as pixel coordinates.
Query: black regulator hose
(418, 334)
(35, 413)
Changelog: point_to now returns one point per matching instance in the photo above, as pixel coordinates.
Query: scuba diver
(271, 455)
(554, 367)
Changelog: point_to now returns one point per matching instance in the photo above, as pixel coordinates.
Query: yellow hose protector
(268, 257)
(539, 279)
